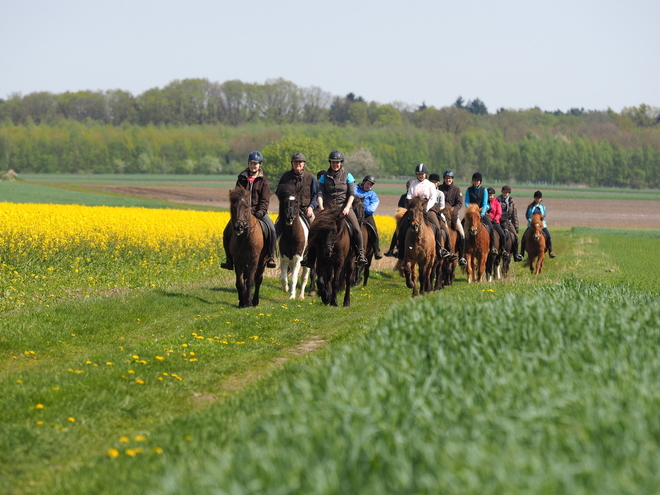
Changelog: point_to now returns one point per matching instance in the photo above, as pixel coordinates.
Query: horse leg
(348, 277)
(413, 279)
(334, 287)
(240, 286)
(482, 269)
(284, 268)
(303, 282)
(259, 277)
(294, 276)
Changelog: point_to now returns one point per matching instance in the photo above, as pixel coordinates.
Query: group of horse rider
(336, 186)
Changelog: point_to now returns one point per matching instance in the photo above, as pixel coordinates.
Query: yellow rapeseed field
(49, 252)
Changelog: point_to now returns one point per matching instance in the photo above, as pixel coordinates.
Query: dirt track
(561, 212)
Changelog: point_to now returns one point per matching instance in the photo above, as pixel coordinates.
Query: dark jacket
(508, 206)
(306, 187)
(453, 198)
(259, 192)
(336, 188)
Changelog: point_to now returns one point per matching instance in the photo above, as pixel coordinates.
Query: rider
(495, 213)
(370, 201)
(536, 207)
(454, 198)
(509, 207)
(337, 186)
(254, 180)
(440, 207)
(424, 188)
(403, 203)
(477, 194)
(304, 183)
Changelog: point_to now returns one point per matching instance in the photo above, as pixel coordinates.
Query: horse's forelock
(285, 190)
(235, 195)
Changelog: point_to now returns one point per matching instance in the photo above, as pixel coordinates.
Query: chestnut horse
(331, 243)
(535, 244)
(293, 232)
(419, 249)
(247, 247)
(477, 244)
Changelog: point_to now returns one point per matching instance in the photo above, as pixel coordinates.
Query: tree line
(195, 126)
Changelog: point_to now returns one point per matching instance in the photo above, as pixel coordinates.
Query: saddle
(265, 230)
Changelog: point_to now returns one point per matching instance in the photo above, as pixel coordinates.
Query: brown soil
(561, 212)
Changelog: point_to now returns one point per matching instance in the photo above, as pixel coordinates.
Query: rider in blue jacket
(476, 193)
(537, 206)
(370, 201)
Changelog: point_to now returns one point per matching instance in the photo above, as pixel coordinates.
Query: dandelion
(40, 423)
(110, 363)
(157, 450)
(139, 382)
(132, 372)
(114, 453)
(140, 438)
(130, 452)
(71, 419)
(124, 439)
(39, 406)
(19, 381)
(160, 358)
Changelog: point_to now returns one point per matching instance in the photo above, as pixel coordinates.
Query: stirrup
(227, 265)
(519, 257)
(378, 255)
(493, 250)
(552, 254)
(361, 260)
(392, 253)
(462, 262)
(270, 263)
(444, 253)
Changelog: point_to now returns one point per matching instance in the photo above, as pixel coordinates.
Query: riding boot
(493, 249)
(228, 264)
(310, 258)
(461, 251)
(505, 253)
(516, 256)
(549, 246)
(361, 258)
(391, 252)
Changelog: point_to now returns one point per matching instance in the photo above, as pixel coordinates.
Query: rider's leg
(439, 234)
(228, 264)
(548, 241)
(404, 225)
(491, 231)
(522, 244)
(514, 236)
(458, 225)
(272, 242)
(370, 220)
(500, 231)
(359, 242)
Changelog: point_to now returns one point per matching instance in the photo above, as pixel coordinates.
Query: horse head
(239, 207)
(537, 226)
(417, 207)
(473, 219)
(289, 204)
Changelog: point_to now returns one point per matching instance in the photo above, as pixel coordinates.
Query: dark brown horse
(447, 270)
(535, 244)
(477, 244)
(510, 240)
(334, 259)
(247, 248)
(419, 249)
(293, 232)
(368, 235)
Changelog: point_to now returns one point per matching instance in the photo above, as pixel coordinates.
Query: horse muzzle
(240, 227)
(474, 230)
(415, 227)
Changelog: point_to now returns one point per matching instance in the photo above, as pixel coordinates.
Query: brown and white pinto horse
(535, 244)
(477, 244)
(419, 249)
(292, 232)
(247, 247)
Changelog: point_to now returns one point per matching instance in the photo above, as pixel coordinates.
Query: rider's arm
(484, 204)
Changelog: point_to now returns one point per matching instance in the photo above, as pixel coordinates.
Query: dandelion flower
(157, 450)
(39, 406)
(114, 453)
(71, 419)
(130, 452)
(140, 438)
(124, 439)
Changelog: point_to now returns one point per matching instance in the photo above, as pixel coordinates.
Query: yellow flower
(124, 439)
(39, 406)
(157, 450)
(141, 382)
(40, 423)
(140, 438)
(114, 453)
(130, 452)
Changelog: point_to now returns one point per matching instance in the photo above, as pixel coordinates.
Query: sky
(514, 54)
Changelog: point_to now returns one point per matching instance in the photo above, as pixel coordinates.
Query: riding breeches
(370, 220)
(357, 238)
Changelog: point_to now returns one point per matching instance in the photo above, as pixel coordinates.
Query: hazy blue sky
(555, 54)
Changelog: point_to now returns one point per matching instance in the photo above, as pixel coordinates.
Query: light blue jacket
(369, 200)
(531, 209)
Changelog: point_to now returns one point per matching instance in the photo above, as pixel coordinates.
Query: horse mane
(538, 217)
(472, 208)
(284, 190)
(237, 194)
(415, 202)
(326, 221)
(399, 214)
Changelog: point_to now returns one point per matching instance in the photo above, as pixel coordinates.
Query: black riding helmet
(491, 190)
(369, 178)
(336, 156)
(538, 194)
(477, 176)
(421, 169)
(434, 177)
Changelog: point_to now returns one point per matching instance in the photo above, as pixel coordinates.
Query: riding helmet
(336, 156)
(421, 169)
(491, 190)
(477, 176)
(506, 189)
(448, 173)
(298, 157)
(369, 178)
(434, 177)
(538, 194)
(255, 156)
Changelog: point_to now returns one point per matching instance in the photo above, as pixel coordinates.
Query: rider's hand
(309, 212)
(345, 211)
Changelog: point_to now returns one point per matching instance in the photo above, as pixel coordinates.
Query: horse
(419, 249)
(494, 260)
(535, 244)
(293, 233)
(368, 236)
(334, 257)
(247, 247)
(448, 265)
(477, 244)
(509, 243)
